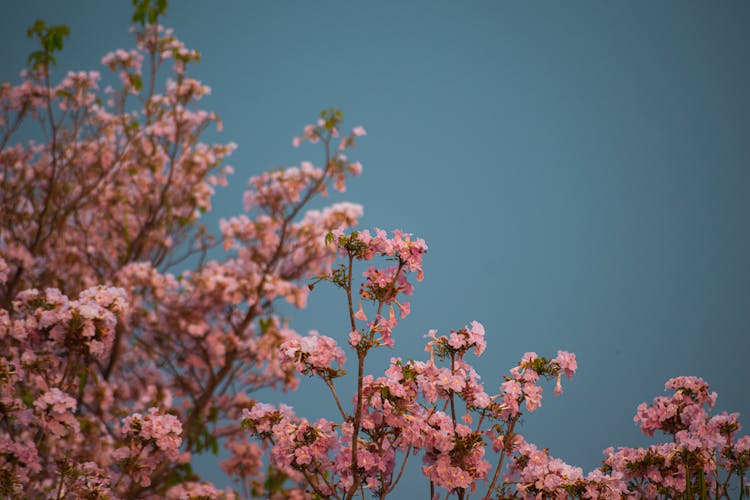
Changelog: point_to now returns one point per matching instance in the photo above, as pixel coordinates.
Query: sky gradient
(579, 170)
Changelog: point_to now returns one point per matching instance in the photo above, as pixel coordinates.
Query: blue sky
(580, 171)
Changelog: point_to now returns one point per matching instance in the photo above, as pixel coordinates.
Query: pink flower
(405, 309)
(55, 401)
(532, 395)
(360, 314)
(567, 362)
(558, 386)
(4, 271)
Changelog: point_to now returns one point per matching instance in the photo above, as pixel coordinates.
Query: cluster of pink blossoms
(701, 446)
(56, 410)
(84, 326)
(523, 388)
(392, 421)
(536, 474)
(194, 490)
(403, 246)
(300, 450)
(700, 461)
(151, 439)
(313, 354)
(46, 333)
(417, 406)
(326, 129)
(459, 340)
(382, 285)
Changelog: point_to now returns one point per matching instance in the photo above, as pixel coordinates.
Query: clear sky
(580, 171)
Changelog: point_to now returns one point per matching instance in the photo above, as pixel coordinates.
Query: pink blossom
(566, 361)
(360, 314)
(354, 338)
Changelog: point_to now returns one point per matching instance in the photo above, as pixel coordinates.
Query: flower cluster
(300, 449)
(454, 457)
(537, 474)
(459, 341)
(84, 326)
(151, 439)
(56, 409)
(194, 490)
(674, 414)
(313, 355)
(417, 406)
(402, 246)
(522, 386)
(19, 463)
(382, 286)
(87, 480)
(163, 431)
(534, 473)
(701, 444)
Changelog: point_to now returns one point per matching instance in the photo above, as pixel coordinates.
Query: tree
(95, 218)
(116, 368)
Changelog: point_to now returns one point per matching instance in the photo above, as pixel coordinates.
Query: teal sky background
(580, 171)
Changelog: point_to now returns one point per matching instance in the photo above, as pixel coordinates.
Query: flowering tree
(119, 362)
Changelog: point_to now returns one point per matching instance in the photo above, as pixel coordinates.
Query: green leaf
(51, 39)
(136, 81)
(139, 14)
(36, 57)
(131, 127)
(64, 93)
(265, 324)
(83, 377)
(213, 414)
(36, 28)
(28, 399)
(57, 40)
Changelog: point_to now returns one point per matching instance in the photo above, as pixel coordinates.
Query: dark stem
(506, 446)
